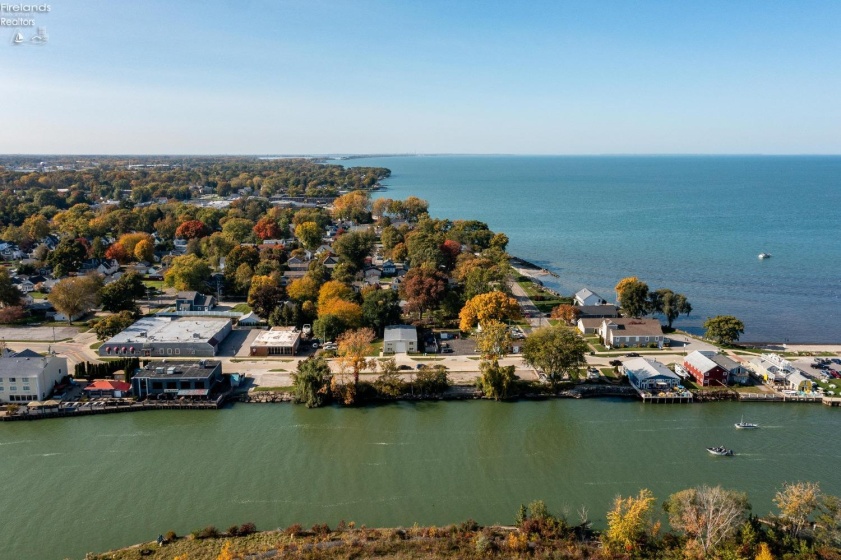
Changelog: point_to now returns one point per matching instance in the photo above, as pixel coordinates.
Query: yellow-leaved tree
(629, 523)
(492, 306)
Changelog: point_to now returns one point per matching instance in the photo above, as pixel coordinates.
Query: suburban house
(178, 379)
(772, 368)
(194, 301)
(597, 311)
(164, 336)
(400, 339)
(589, 325)
(388, 268)
(621, 332)
(705, 371)
(737, 374)
(585, 296)
(107, 388)
(279, 341)
(23, 284)
(650, 375)
(27, 376)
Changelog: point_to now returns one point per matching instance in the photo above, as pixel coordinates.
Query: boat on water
(764, 255)
(721, 451)
(742, 425)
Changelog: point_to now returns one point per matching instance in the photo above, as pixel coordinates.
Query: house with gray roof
(650, 375)
(585, 296)
(197, 380)
(194, 301)
(400, 339)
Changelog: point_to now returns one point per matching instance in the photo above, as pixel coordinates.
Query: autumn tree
(557, 351)
(192, 229)
(423, 289)
(334, 290)
(239, 230)
(496, 380)
(630, 523)
(264, 295)
(303, 289)
(144, 250)
(632, 295)
(187, 272)
(309, 234)
(724, 329)
(708, 516)
(567, 313)
(348, 312)
(267, 228)
(669, 304)
(797, 502)
(492, 306)
(353, 206)
(76, 295)
(311, 380)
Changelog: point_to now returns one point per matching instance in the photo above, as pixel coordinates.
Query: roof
(150, 330)
(177, 370)
(628, 326)
(591, 322)
(277, 336)
(606, 310)
(108, 385)
(721, 360)
(644, 369)
(584, 293)
(187, 295)
(400, 332)
(26, 364)
(700, 361)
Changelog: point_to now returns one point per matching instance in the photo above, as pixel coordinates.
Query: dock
(100, 407)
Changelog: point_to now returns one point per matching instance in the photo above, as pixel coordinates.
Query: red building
(705, 371)
(107, 388)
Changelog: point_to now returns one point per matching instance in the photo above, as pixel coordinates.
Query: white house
(27, 376)
(650, 375)
(620, 332)
(585, 296)
(400, 339)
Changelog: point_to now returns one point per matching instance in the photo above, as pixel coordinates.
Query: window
(12, 380)
(26, 388)
(157, 385)
(13, 388)
(171, 385)
(177, 351)
(160, 351)
(169, 351)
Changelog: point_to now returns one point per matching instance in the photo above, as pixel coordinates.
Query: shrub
(170, 536)
(483, 544)
(468, 526)
(209, 532)
(294, 530)
(233, 530)
(247, 529)
(321, 530)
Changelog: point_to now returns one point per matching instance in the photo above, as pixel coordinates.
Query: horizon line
(415, 154)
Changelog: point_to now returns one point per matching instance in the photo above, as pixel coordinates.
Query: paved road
(530, 310)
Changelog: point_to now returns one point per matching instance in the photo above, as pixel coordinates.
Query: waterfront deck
(94, 407)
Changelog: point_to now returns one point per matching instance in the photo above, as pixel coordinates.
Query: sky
(423, 76)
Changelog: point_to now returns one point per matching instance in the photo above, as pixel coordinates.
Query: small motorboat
(721, 451)
(764, 255)
(742, 425)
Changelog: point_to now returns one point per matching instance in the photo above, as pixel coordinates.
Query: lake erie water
(691, 224)
(101, 482)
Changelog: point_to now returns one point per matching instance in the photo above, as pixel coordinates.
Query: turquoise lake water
(692, 224)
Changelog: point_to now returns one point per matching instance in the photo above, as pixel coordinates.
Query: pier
(101, 407)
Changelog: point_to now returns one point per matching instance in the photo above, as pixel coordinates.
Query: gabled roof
(584, 293)
(700, 362)
(644, 369)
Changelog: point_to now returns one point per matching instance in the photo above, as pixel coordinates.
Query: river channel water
(95, 483)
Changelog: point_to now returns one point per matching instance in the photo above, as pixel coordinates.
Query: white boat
(721, 451)
(764, 255)
(742, 425)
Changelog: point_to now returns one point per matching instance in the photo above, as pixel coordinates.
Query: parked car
(632, 355)
(836, 361)
(446, 350)
(421, 366)
(615, 362)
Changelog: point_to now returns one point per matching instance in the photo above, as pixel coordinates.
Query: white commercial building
(27, 376)
(400, 339)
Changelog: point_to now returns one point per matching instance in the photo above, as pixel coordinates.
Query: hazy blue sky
(318, 76)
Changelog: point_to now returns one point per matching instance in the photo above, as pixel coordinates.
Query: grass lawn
(608, 372)
(241, 308)
(96, 345)
(376, 348)
(38, 295)
(427, 359)
(278, 369)
(543, 299)
(277, 389)
(158, 284)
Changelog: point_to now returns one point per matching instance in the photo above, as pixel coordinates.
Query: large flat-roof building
(161, 337)
(178, 379)
(279, 341)
(27, 376)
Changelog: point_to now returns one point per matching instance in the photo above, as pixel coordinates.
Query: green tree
(353, 247)
(187, 272)
(669, 304)
(122, 294)
(328, 327)
(311, 381)
(389, 384)
(557, 351)
(496, 380)
(110, 326)
(239, 230)
(10, 296)
(76, 295)
(433, 380)
(724, 329)
(67, 257)
(264, 296)
(380, 308)
(632, 295)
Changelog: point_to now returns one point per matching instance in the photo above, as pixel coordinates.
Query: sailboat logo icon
(18, 38)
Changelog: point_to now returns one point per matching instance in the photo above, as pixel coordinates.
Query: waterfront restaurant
(650, 375)
(200, 379)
